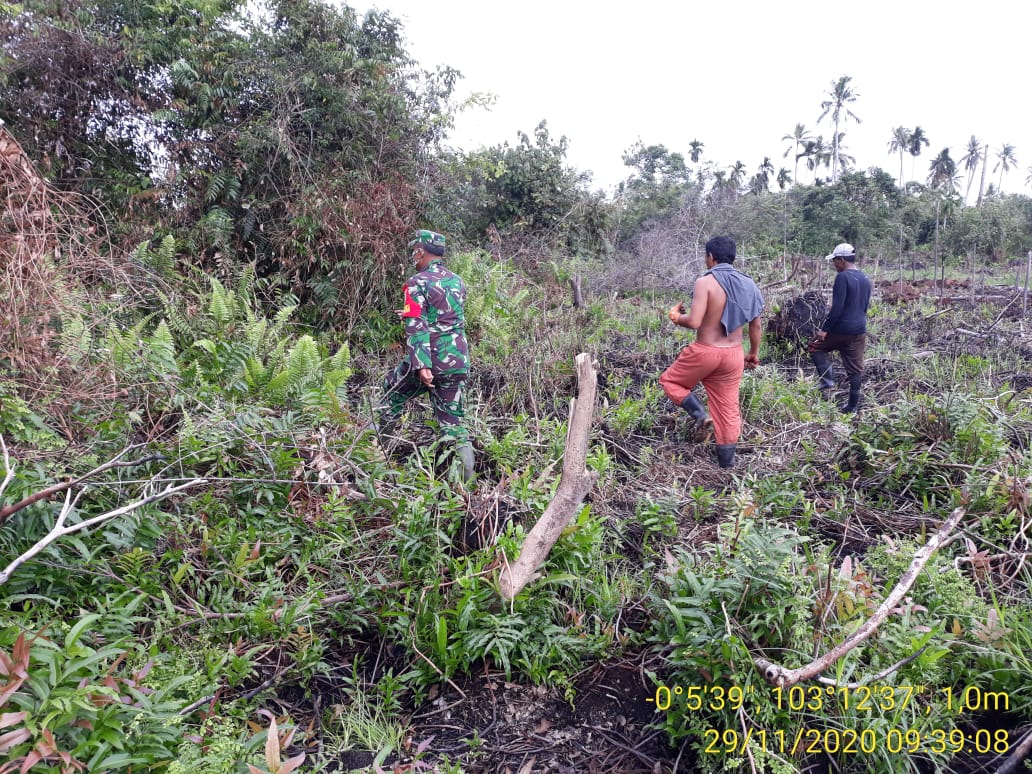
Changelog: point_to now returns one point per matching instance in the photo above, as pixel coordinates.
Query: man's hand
(675, 312)
(426, 376)
(752, 360)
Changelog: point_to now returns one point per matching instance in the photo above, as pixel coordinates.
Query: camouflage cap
(430, 240)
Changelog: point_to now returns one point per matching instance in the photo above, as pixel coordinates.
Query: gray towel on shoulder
(744, 301)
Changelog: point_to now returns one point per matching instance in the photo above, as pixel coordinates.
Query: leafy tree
(528, 189)
(839, 96)
(655, 188)
(900, 143)
(286, 133)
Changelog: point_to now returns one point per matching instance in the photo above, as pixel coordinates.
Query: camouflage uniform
(435, 332)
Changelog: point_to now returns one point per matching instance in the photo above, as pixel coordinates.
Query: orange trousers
(720, 371)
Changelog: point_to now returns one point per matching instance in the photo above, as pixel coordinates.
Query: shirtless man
(723, 302)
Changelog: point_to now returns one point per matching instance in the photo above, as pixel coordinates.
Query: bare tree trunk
(575, 286)
(574, 485)
(1028, 270)
(777, 675)
(981, 185)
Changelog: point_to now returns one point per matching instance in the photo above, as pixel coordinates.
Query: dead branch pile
(29, 280)
(798, 319)
(49, 257)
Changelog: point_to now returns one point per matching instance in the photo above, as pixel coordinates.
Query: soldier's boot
(726, 454)
(824, 372)
(464, 451)
(853, 404)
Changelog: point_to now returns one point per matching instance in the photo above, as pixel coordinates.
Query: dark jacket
(850, 298)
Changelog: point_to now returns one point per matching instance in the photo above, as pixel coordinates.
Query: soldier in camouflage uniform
(437, 355)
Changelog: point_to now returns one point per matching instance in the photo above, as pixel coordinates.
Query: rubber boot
(854, 394)
(726, 454)
(692, 405)
(824, 371)
(464, 451)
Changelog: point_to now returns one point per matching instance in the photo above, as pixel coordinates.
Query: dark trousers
(447, 397)
(851, 347)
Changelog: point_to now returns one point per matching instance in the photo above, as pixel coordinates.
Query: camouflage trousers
(447, 396)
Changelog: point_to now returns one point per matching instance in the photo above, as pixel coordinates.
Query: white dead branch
(574, 485)
(777, 675)
(60, 529)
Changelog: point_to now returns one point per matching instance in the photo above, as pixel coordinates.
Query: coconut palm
(840, 95)
(845, 159)
(899, 143)
(1007, 159)
(816, 153)
(785, 177)
(799, 137)
(972, 156)
(736, 176)
(1028, 180)
(695, 151)
(942, 172)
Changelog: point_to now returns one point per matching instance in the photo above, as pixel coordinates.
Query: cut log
(574, 485)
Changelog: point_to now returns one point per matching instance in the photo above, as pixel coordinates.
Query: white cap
(844, 250)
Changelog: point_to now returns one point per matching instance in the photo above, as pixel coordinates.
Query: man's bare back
(708, 301)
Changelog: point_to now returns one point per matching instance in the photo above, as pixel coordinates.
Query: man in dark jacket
(845, 328)
(437, 355)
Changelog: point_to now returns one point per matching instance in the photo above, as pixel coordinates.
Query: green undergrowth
(314, 564)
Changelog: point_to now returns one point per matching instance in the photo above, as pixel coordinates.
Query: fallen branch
(1019, 754)
(777, 675)
(60, 530)
(50, 491)
(575, 483)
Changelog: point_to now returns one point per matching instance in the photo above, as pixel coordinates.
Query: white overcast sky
(735, 75)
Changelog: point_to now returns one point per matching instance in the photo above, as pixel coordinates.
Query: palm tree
(942, 172)
(845, 160)
(784, 178)
(840, 95)
(695, 151)
(736, 176)
(816, 153)
(1028, 180)
(762, 177)
(1007, 159)
(898, 144)
(970, 160)
(799, 137)
(917, 139)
